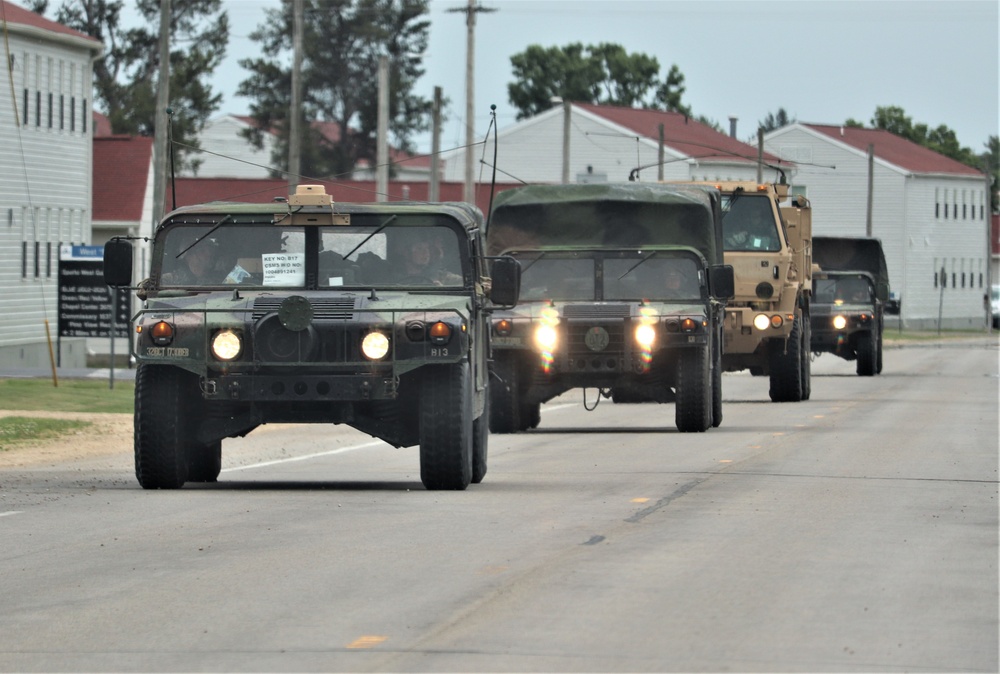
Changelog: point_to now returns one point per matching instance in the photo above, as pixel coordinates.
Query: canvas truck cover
(844, 253)
(609, 215)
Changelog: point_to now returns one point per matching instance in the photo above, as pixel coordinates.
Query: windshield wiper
(369, 237)
(530, 264)
(643, 260)
(205, 236)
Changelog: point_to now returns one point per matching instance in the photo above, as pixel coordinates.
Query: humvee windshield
(269, 256)
(748, 224)
(838, 290)
(609, 275)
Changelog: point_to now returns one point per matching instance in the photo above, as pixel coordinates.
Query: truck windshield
(748, 224)
(622, 276)
(843, 290)
(269, 256)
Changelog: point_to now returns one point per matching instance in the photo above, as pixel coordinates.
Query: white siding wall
(532, 151)
(836, 181)
(45, 194)
(234, 156)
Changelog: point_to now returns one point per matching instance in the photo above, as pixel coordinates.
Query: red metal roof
(121, 173)
(680, 132)
(896, 150)
(13, 14)
(263, 190)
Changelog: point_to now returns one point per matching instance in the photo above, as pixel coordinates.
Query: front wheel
(505, 407)
(164, 397)
(867, 354)
(446, 427)
(785, 358)
(693, 409)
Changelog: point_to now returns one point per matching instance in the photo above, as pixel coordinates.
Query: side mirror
(506, 275)
(118, 263)
(721, 281)
(893, 307)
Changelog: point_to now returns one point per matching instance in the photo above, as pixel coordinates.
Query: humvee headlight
(546, 338)
(645, 336)
(440, 333)
(761, 322)
(375, 345)
(226, 345)
(839, 322)
(162, 333)
(503, 327)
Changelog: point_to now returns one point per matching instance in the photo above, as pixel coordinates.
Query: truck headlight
(375, 345)
(546, 338)
(227, 345)
(839, 322)
(645, 336)
(761, 322)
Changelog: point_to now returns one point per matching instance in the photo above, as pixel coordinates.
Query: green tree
(342, 43)
(125, 79)
(776, 120)
(604, 74)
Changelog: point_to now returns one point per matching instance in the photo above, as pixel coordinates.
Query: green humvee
(849, 296)
(311, 312)
(623, 290)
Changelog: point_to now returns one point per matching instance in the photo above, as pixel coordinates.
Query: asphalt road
(857, 531)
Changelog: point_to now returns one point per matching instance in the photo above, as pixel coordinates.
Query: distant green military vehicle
(371, 315)
(849, 296)
(623, 291)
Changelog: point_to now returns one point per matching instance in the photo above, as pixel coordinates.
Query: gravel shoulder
(108, 434)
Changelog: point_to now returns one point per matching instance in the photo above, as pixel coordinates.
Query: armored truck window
(749, 224)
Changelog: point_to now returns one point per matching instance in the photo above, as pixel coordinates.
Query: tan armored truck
(310, 311)
(767, 237)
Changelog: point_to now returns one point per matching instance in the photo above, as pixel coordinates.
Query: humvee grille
(324, 309)
(596, 311)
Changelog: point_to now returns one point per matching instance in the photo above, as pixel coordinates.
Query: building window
(84, 122)
(38, 108)
(25, 122)
(963, 279)
(980, 279)
(954, 210)
(38, 247)
(50, 109)
(48, 259)
(62, 112)
(954, 277)
(72, 113)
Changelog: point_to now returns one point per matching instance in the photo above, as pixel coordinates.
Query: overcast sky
(822, 61)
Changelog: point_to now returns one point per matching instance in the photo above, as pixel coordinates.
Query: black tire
(446, 428)
(878, 357)
(785, 358)
(693, 408)
(531, 415)
(480, 442)
(806, 358)
(867, 354)
(717, 383)
(505, 408)
(204, 462)
(163, 398)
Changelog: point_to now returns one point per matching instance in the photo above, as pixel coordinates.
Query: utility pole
(434, 189)
(295, 109)
(469, 194)
(871, 190)
(382, 132)
(160, 119)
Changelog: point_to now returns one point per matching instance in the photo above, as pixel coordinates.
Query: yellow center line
(367, 641)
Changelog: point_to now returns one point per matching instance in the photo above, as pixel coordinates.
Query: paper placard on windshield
(284, 270)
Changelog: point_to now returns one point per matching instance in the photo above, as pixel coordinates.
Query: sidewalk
(120, 374)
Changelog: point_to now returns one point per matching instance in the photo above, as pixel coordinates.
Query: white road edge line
(11, 512)
(305, 457)
(373, 443)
